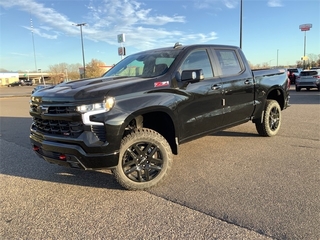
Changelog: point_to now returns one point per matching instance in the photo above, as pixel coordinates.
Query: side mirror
(192, 75)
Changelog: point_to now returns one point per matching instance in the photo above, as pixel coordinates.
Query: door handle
(247, 82)
(216, 86)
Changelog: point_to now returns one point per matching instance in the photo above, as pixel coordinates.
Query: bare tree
(73, 71)
(63, 71)
(57, 72)
(95, 68)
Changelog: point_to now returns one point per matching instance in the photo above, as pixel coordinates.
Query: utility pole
(241, 24)
(34, 49)
(83, 61)
(67, 78)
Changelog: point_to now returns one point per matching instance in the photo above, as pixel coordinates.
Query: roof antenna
(177, 44)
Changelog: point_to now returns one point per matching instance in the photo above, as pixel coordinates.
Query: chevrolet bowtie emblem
(42, 109)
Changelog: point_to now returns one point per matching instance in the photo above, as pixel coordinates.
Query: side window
(198, 60)
(228, 61)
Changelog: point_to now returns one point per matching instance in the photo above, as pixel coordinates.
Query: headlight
(106, 105)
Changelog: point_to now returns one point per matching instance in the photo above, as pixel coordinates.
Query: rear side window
(309, 73)
(228, 61)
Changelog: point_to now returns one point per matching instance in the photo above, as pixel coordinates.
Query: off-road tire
(271, 122)
(145, 160)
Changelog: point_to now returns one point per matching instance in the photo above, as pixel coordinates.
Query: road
(230, 185)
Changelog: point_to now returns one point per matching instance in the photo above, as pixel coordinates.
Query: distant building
(8, 77)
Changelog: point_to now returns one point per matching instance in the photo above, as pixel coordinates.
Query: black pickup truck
(133, 118)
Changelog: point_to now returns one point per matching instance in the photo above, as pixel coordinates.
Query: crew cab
(133, 118)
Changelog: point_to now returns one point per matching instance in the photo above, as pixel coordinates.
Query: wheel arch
(275, 93)
(160, 120)
(278, 95)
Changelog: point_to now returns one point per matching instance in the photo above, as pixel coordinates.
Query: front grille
(58, 127)
(61, 110)
(62, 121)
(52, 110)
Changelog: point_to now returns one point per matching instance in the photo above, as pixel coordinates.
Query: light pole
(270, 62)
(305, 28)
(277, 57)
(34, 49)
(67, 78)
(83, 62)
(44, 83)
(241, 24)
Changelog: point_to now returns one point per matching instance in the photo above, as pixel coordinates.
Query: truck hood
(95, 89)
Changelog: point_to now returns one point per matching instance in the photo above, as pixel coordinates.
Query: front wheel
(270, 124)
(145, 160)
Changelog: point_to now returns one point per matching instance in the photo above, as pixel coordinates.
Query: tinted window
(228, 61)
(293, 70)
(198, 60)
(144, 64)
(309, 73)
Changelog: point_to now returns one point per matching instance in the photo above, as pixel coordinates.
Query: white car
(308, 79)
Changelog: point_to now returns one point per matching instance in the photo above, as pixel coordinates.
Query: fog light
(35, 148)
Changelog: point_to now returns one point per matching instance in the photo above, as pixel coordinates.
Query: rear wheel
(270, 124)
(145, 160)
(298, 89)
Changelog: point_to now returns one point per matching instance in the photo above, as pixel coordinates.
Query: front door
(202, 111)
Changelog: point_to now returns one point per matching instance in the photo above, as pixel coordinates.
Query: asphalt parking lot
(230, 185)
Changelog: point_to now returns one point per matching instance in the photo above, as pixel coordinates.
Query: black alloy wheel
(271, 122)
(145, 159)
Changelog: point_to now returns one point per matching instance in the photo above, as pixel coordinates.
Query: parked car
(38, 87)
(27, 82)
(21, 83)
(295, 71)
(14, 84)
(308, 79)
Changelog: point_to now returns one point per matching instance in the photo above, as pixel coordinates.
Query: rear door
(238, 86)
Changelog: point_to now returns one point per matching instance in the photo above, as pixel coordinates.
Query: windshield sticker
(161, 84)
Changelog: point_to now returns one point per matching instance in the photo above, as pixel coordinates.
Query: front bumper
(75, 153)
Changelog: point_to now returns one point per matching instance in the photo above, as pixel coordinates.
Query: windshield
(144, 64)
(293, 70)
(308, 73)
